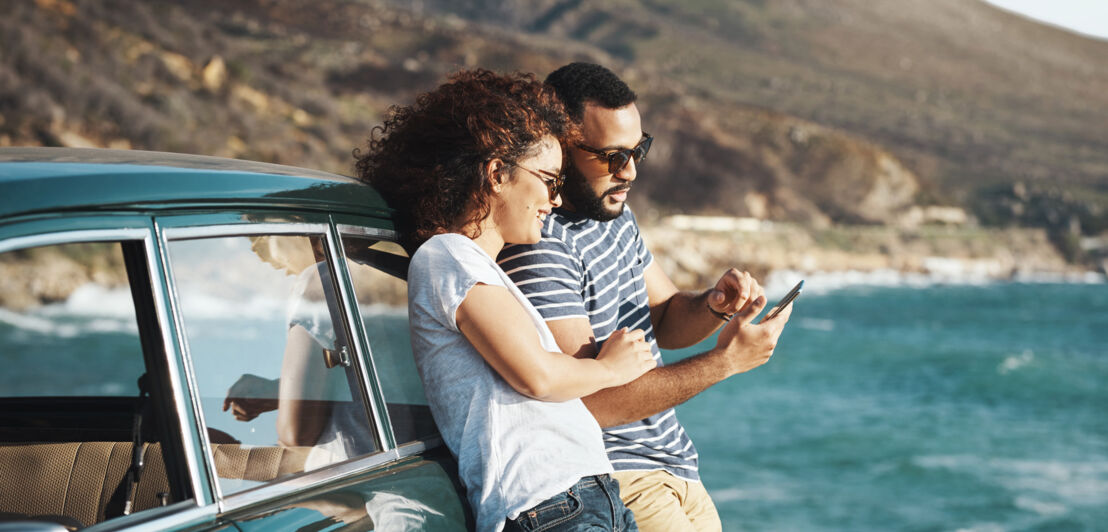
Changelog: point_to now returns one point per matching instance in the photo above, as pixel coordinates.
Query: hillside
(809, 111)
(971, 98)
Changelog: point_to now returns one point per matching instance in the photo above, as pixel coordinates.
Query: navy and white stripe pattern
(583, 268)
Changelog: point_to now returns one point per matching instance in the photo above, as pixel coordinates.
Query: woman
(471, 166)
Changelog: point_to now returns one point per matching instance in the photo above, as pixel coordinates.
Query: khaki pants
(662, 502)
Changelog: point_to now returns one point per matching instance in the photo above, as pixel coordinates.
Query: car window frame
(229, 223)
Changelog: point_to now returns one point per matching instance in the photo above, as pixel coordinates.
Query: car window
(273, 365)
(72, 409)
(68, 322)
(377, 270)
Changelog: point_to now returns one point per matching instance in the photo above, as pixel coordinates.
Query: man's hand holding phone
(733, 291)
(747, 345)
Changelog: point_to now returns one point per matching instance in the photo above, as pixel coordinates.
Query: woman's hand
(626, 354)
(251, 396)
(499, 327)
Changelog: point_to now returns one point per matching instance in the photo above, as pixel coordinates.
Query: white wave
(35, 324)
(1014, 362)
(111, 326)
(1071, 483)
(983, 527)
(816, 324)
(1040, 507)
(940, 272)
(1055, 277)
(49, 324)
(97, 300)
(1083, 483)
(779, 282)
(207, 306)
(762, 493)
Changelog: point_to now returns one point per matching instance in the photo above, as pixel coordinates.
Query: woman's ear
(494, 171)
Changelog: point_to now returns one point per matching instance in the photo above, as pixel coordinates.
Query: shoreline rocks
(696, 258)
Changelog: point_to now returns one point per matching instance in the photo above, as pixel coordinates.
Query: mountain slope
(819, 111)
(973, 99)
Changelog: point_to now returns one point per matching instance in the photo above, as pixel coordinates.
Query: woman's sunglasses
(552, 181)
(619, 158)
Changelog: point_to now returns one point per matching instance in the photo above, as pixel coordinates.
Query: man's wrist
(722, 365)
(716, 313)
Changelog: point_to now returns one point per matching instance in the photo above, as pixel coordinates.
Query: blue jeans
(591, 504)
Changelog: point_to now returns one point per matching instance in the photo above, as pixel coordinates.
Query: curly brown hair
(426, 160)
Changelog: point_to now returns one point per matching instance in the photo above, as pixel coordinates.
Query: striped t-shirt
(583, 268)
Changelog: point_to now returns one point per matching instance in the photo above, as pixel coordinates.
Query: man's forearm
(659, 389)
(685, 321)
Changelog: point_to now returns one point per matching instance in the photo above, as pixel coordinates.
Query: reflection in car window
(377, 268)
(272, 361)
(71, 411)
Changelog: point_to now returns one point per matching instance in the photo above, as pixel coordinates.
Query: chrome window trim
(193, 390)
(416, 447)
(180, 365)
(264, 228)
(307, 480)
(73, 237)
(340, 273)
(358, 230)
(384, 420)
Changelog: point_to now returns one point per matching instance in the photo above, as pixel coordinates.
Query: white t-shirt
(513, 451)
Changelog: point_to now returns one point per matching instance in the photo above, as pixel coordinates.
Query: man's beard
(585, 201)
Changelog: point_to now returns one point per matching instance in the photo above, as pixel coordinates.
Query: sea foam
(779, 282)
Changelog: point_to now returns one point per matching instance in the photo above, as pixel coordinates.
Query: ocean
(944, 407)
(887, 406)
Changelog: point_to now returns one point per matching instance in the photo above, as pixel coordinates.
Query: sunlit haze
(1089, 17)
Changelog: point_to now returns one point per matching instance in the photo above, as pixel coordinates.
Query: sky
(1083, 16)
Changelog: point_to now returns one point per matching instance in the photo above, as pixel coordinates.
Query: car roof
(52, 180)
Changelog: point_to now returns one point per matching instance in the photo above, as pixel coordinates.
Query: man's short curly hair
(581, 83)
(426, 159)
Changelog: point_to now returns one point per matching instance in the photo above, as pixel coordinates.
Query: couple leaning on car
(537, 311)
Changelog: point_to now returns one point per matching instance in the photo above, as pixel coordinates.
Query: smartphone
(789, 297)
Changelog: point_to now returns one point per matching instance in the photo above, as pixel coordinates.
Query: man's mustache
(617, 189)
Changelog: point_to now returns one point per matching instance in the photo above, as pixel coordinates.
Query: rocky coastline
(863, 254)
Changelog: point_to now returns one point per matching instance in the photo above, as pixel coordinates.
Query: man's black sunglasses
(618, 159)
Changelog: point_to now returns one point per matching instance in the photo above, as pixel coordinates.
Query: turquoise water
(945, 408)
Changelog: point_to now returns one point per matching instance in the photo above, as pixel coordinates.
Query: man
(591, 274)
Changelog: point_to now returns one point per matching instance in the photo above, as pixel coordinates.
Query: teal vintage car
(207, 344)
